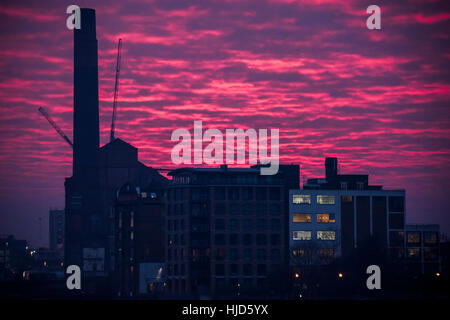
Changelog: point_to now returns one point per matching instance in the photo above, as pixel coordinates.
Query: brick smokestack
(85, 97)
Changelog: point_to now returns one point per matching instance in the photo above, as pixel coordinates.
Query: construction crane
(116, 92)
(55, 126)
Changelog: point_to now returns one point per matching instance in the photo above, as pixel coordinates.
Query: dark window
(261, 269)
(247, 193)
(396, 204)
(220, 269)
(220, 224)
(247, 225)
(219, 239)
(233, 193)
(275, 209)
(275, 225)
(275, 239)
(219, 209)
(261, 254)
(261, 209)
(247, 239)
(275, 194)
(261, 239)
(234, 239)
(234, 254)
(275, 254)
(248, 255)
(396, 238)
(261, 224)
(248, 269)
(220, 254)
(260, 193)
(219, 193)
(396, 221)
(234, 269)
(234, 224)
(247, 209)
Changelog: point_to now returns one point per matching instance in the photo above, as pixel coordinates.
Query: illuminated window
(302, 252)
(301, 217)
(131, 235)
(325, 252)
(413, 238)
(326, 218)
(413, 253)
(325, 199)
(302, 235)
(301, 199)
(326, 235)
(347, 198)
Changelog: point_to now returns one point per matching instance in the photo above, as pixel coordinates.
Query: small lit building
(422, 248)
(331, 216)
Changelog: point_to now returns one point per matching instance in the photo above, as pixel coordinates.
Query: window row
(306, 199)
(320, 217)
(247, 254)
(247, 224)
(246, 239)
(307, 235)
(246, 269)
(226, 193)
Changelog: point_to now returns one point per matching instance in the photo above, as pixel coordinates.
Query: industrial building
(98, 173)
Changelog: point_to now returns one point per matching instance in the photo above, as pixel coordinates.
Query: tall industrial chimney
(85, 97)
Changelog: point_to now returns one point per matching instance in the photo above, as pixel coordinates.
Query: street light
(340, 275)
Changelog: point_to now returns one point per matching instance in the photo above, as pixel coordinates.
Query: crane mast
(116, 91)
(54, 125)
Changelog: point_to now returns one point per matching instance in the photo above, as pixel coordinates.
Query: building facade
(328, 224)
(226, 228)
(139, 241)
(56, 231)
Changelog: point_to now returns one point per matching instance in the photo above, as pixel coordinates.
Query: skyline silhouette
(376, 100)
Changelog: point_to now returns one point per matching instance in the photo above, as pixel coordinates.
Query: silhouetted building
(139, 240)
(84, 229)
(14, 257)
(97, 173)
(56, 230)
(226, 228)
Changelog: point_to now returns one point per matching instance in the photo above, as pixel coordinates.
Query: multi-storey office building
(226, 228)
(331, 216)
(330, 223)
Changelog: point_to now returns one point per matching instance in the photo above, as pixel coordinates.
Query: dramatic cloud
(376, 99)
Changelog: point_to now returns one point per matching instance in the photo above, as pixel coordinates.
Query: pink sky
(378, 100)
